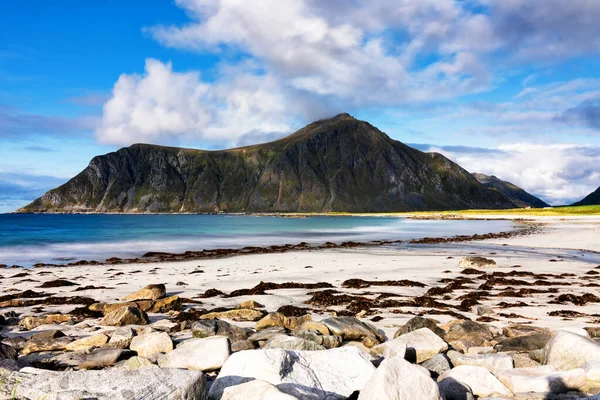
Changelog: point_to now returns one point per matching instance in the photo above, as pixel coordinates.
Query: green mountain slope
(338, 164)
(517, 195)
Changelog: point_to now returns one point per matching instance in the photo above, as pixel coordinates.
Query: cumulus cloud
(561, 173)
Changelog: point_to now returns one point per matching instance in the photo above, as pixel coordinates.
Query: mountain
(591, 199)
(338, 164)
(517, 195)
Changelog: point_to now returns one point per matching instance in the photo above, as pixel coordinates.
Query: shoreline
(527, 227)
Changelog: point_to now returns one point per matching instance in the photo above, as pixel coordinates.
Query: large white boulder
(494, 363)
(255, 390)
(423, 342)
(151, 343)
(567, 350)
(544, 379)
(207, 354)
(480, 380)
(110, 384)
(397, 379)
(326, 374)
(592, 371)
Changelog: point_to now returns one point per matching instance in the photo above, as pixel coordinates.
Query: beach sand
(565, 245)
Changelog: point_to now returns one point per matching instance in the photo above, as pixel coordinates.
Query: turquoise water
(28, 239)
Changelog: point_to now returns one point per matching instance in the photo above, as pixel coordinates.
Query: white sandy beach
(574, 242)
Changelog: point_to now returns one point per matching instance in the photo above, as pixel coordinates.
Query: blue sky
(504, 87)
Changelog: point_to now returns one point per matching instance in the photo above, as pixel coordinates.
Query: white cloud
(558, 173)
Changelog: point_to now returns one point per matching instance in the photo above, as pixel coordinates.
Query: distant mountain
(517, 195)
(591, 199)
(337, 164)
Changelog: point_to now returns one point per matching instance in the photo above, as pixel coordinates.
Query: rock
(151, 343)
(329, 341)
(87, 342)
(17, 342)
(250, 304)
(235, 315)
(451, 389)
(110, 384)
(480, 380)
(106, 308)
(137, 362)
(523, 360)
(476, 262)
(437, 365)
(530, 342)
(150, 292)
(419, 322)
(398, 379)
(370, 341)
(30, 323)
(215, 327)
(542, 380)
(268, 333)
(568, 350)
(171, 303)
(291, 343)
(392, 348)
(7, 366)
(39, 345)
(7, 352)
(494, 363)
(350, 328)
(165, 325)
(121, 337)
(328, 374)
(242, 345)
(125, 316)
(592, 370)
(516, 330)
(470, 332)
(484, 310)
(315, 326)
(208, 354)
(421, 345)
(255, 390)
(278, 319)
(48, 334)
(91, 359)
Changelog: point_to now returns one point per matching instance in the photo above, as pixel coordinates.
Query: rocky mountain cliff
(591, 199)
(517, 195)
(338, 164)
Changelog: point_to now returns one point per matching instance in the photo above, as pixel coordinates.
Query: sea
(26, 239)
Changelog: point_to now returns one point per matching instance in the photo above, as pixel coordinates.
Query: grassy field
(516, 213)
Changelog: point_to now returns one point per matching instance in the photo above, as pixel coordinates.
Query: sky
(503, 87)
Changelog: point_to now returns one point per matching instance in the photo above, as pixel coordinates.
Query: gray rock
(350, 328)
(480, 380)
(437, 365)
(208, 354)
(121, 337)
(7, 352)
(542, 380)
(125, 316)
(242, 345)
(268, 333)
(17, 342)
(419, 322)
(147, 384)
(530, 342)
(216, 327)
(90, 359)
(291, 343)
(308, 375)
(494, 363)
(421, 345)
(395, 379)
(451, 389)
